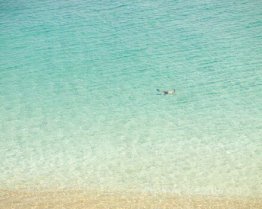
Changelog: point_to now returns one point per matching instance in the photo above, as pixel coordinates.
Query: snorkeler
(167, 92)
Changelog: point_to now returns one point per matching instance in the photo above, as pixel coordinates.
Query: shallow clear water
(78, 100)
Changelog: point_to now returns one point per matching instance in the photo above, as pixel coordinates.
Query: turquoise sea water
(79, 107)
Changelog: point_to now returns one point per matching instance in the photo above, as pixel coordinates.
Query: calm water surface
(79, 107)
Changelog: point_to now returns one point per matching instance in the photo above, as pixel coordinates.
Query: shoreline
(74, 199)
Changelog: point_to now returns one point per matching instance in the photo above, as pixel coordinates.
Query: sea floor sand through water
(107, 200)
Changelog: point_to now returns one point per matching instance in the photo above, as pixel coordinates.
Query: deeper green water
(78, 100)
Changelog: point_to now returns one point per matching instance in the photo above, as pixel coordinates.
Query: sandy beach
(104, 200)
